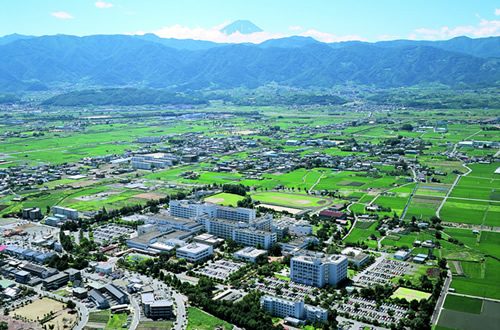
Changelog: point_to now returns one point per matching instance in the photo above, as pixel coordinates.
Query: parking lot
(220, 269)
(384, 271)
(289, 290)
(362, 307)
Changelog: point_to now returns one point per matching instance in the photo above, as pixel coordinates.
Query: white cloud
(497, 11)
(328, 37)
(213, 34)
(384, 37)
(295, 28)
(61, 15)
(102, 4)
(485, 28)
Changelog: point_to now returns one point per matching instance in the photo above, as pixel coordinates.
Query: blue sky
(325, 20)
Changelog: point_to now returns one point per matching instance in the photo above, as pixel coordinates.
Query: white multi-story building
(299, 310)
(194, 252)
(301, 228)
(221, 228)
(188, 210)
(177, 223)
(249, 254)
(318, 272)
(156, 309)
(69, 213)
(225, 228)
(254, 237)
(235, 214)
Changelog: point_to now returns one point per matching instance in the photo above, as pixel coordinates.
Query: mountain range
(47, 62)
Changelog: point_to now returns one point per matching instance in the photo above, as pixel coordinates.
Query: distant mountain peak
(241, 26)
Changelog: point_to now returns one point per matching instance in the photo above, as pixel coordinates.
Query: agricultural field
(361, 233)
(422, 207)
(464, 211)
(432, 189)
(484, 285)
(468, 313)
(486, 241)
(198, 319)
(396, 204)
(399, 241)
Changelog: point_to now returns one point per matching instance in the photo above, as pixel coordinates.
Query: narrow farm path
(314, 185)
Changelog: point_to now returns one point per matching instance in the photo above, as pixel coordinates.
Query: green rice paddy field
(484, 283)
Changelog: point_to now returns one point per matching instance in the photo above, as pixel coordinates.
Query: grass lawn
(463, 304)
(225, 199)
(198, 319)
(136, 258)
(281, 277)
(116, 321)
(100, 317)
(61, 293)
(154, 325)
(410, 294)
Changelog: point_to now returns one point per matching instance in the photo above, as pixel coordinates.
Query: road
(442, 297)
(448, 194)
(348, 208)
(314, 185)
(137, 313)
(181, 321)
(84, 315)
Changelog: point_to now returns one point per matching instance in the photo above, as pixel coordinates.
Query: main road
(442, 297)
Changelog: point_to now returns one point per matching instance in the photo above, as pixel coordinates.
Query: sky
(324, 20)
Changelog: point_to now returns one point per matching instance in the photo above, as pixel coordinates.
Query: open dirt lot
(281, 208)
(39, 308)
(214, 200)
(149, 196)
(17, 324)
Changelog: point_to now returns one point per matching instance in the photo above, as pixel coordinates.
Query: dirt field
(214, 200)
(82, 183)
(26, 226)
(99, 196)
(458, 267)
(39, 308)
(149, 196)
(281, 208)
(65, 318)
(16, 324)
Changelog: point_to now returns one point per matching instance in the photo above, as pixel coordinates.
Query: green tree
(275, 250)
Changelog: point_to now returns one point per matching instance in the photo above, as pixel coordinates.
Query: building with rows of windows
(298, 311)
(318, 271)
